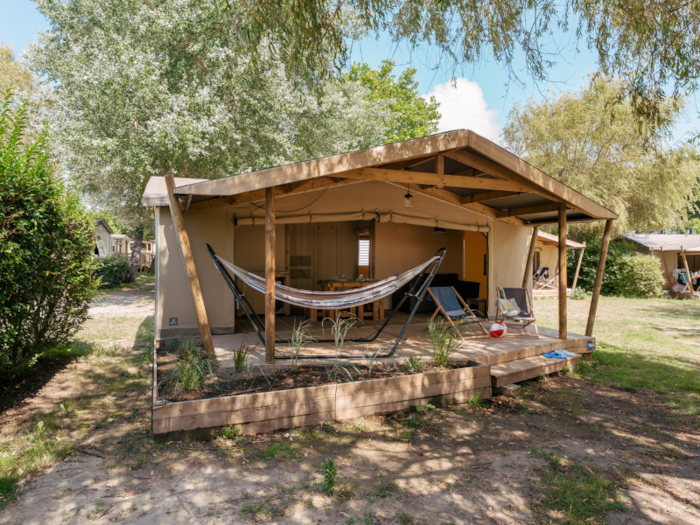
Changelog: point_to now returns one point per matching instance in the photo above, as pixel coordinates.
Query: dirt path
(623, 458)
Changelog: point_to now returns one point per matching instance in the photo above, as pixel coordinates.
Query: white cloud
(462, 106)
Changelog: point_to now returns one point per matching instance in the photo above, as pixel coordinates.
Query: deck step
(528, 368)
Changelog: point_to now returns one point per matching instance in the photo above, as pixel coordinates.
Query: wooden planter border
(254, 413)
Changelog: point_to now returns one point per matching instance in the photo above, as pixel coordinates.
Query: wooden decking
(415, 343)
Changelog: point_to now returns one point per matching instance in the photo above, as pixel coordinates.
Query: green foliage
(231, 433)
(580, 294)
(572, 137)
(112, 271)
(46, 245)
(443, 342)
(240, 358)
(475, 401)
(614, 273)
(12, 73)
(330, 472)
(339, 330)
(425, 408)
(193, 367)
(412, 364)
(640, 276)
(411, 115)
(301, 336)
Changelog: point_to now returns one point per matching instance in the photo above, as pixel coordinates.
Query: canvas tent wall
(669, 248)
(460, 183)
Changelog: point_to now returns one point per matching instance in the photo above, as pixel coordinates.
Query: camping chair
(524, 318)
(542, 281)
(455, 309)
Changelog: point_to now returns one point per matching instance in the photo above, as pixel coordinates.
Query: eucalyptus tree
(142, 89)
(652, 184)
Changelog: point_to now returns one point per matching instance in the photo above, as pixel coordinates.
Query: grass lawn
(649, 344)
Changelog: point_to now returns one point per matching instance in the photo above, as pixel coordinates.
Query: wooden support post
(599, 277)
(288, 261)
(578, 268)
(687, 273)
(562, 272)
(269, 275)
(531, 254)
(186, 251)
(669, 279)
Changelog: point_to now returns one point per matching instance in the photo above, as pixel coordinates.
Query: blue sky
(480, 101)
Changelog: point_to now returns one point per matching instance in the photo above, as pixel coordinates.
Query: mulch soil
(280, 379)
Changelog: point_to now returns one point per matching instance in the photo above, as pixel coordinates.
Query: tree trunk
(136, 254)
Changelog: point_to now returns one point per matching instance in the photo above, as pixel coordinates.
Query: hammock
(334, 300)
(330, 300)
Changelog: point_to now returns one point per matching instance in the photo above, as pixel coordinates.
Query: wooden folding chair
(455, 309)
(524, 318)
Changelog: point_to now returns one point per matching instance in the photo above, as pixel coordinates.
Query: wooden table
(332, 285)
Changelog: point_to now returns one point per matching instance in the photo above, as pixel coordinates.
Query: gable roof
(459, 167)
(669, 242)
(548, 239)
(97, 221)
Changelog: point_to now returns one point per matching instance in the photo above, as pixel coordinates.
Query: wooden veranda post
(186, 252)
(562, 271)
(599, 277)
(687, 272)
(530, 256)
(578, 268)
(669, 280)
(269, 275)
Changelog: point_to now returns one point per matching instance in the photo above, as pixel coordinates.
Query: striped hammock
(330, 300)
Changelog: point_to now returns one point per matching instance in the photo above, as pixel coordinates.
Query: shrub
(112, 271)
(46, 247)
(589, 265)
(639, 276)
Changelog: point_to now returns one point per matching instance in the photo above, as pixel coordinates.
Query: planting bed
(299, 398)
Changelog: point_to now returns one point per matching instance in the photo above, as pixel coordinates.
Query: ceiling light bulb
(408, 201)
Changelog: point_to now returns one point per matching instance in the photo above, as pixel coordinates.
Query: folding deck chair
(524, 318)
(542, 281)
(448, 302)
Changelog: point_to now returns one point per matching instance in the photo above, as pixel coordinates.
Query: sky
(479, 98)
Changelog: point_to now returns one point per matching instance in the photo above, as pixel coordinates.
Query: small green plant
(249, 372)
(240, 357)
(370, 359)
(301, 337)
(412, 364)
(64, 407)
(405, 519)
(339, 330)
(349, 521)
(192, 367)
(475, 401)
(443, 342)
(329, 474)
(425, 408)
(40, 429)
(230, 432)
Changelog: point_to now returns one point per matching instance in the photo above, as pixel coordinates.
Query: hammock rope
(329, 300)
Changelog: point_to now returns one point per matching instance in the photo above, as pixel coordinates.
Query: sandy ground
(461, 466)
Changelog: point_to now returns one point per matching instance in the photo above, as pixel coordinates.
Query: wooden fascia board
(433, 179)
(523, 170)
(329, 166)
(529, 210)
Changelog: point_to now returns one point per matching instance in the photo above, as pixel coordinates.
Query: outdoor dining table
(333, 285)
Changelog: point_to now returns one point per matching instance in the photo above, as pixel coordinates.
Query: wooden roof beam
(489, 196)
(433, 179)
(530, 210)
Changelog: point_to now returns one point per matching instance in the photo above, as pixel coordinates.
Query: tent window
(363, 255)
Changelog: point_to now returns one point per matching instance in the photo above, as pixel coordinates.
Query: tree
(46, 246)
(141, 89)
(650, 44)
(13, 74)
(411, 115)
(573, 139)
